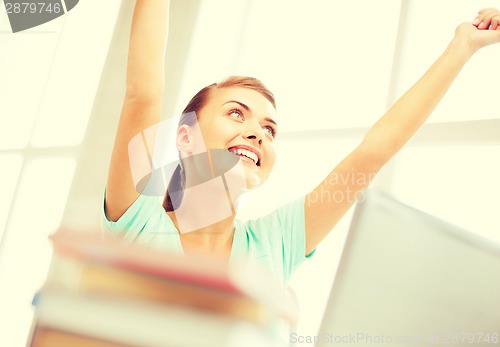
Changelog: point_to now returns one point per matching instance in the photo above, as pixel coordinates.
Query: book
(127, 323)
(103, 293)
(47, 337)
(105, 280)
(243, 279)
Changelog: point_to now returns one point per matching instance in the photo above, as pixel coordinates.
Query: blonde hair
(189, 116)
(199, 100)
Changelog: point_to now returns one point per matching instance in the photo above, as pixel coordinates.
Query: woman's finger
(490, 15)
(495, 22)
(483, 19)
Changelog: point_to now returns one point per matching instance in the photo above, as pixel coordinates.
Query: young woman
(226, 141)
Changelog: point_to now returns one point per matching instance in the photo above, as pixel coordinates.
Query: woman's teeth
(246, 153)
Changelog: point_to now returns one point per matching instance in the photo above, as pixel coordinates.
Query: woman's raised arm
(328, 202)
(143, 98)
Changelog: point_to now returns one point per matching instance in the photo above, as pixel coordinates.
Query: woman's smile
(247, 154)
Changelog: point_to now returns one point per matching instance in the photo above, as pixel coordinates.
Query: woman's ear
(184, 139)
(189, 140)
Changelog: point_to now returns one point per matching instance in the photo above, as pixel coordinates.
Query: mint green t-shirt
(276, 240)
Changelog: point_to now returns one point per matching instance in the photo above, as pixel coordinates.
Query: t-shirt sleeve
(283, 231)
(139, 217)
(292, 221)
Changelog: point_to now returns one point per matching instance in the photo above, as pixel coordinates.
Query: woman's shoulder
(145, 221)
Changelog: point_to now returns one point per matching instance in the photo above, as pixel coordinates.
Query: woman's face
(241, 120)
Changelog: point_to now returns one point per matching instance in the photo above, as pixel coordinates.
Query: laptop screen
(407, 278)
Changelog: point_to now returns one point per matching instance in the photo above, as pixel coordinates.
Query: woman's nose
(255, 133)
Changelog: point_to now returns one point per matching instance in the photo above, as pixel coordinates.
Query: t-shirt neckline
(235, 247)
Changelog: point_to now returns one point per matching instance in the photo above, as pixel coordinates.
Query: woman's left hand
(487, 19)
(483, 31)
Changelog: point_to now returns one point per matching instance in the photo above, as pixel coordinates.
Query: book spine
(47, 337)
(142, 324)
(88, 278)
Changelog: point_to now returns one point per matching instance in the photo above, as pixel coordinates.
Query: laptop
(409, 279)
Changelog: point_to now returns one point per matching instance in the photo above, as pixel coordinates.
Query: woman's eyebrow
(267, 119)
(239, 103)
(270, 120)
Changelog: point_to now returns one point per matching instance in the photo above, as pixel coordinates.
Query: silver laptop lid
(407, 278)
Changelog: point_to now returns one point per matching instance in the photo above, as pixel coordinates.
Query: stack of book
(101, 293)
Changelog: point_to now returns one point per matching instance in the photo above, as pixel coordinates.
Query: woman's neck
(215, 239)
(205, 218)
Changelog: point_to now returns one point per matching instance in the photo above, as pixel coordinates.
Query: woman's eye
(236, 114)
(269, 131)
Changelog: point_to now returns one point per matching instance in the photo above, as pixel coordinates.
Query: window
(49, 77)
(457, 183)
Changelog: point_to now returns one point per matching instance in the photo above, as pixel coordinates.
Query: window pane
(430, 27)
(213, 48)
(456, 183)
(10, 166)
(22, 83)
(26, 252)
(323, 75)
(75, 74)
